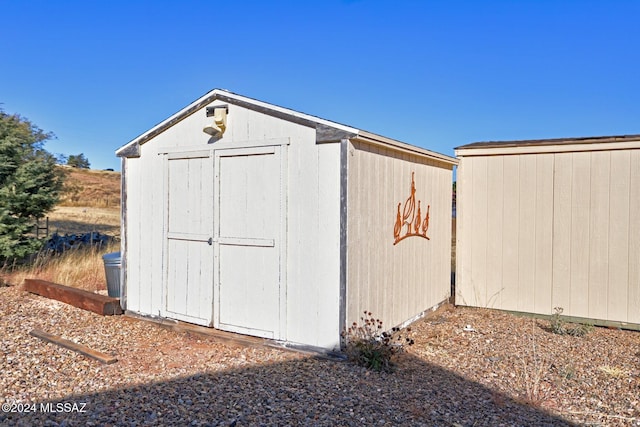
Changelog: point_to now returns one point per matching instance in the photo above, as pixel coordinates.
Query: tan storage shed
(257, 219)
(551, 223)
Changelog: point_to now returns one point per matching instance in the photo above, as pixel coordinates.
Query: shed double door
(248, 240)
(189, 237)
(224, 239)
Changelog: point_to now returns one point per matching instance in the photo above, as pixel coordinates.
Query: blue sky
(437, 74)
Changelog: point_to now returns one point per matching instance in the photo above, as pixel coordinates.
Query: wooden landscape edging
(100, 304)
(79, 348)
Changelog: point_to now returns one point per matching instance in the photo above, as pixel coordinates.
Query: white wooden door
(248, 240)
(189, 232)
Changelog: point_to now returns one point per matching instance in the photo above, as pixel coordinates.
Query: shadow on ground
(299, 392)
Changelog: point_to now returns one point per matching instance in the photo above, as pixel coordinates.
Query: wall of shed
(396, 283)
(554, 229)
(313, 219)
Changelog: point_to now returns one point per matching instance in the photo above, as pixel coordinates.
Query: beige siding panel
(580, 234)
(562, 184)
(356, 292)
(510, 232)
(464, 232)
(495, 220)
(405, 259)
(569, 227)
(634, 239)
(416, 295)
(383, 206)
(394, 282)
(384, 262)
(543, 234)
(441, 265)
(479, 227)
(398, 269)
(618, 261)
(436, 260)
(527, 235)
(367, 223)
(599, 235)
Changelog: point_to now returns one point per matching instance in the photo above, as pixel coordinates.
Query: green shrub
(29, 184)
(561, 327)
(369, 346)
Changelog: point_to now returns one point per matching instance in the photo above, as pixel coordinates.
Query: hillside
(90, 202)
(94, 188)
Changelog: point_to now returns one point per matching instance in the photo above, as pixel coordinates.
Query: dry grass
(613, 371)
(82, 268)
(78, 220)
(91, 188)
(534, 370)
(89, 202)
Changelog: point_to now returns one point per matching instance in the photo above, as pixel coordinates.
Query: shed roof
(530, 146)
(326, 130)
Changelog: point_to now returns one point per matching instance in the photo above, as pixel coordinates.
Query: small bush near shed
(559, 326)
(369, 346)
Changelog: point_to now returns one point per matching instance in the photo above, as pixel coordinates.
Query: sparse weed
(534, 370)
(370, 346)
(613, 371)
(533, 373)
(561, 327)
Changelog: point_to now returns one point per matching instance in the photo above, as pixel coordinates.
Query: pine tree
(78, 161)
(29, 184)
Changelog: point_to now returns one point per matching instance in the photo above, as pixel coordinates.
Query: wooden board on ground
(100, 304)
(215, 334)
(79, 348)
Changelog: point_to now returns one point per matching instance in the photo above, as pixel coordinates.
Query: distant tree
(29, 184)
(61, 159)
(78, 161)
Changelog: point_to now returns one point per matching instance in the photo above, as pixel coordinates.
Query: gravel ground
(502, 370)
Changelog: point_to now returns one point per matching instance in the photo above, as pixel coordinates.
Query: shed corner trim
(129, 150)
(325, 133)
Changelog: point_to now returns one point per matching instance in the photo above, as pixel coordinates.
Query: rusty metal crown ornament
(411, 218)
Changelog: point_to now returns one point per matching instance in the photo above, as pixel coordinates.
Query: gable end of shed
(325, 132)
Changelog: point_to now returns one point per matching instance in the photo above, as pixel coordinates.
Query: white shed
(551, 223)
(252, 218)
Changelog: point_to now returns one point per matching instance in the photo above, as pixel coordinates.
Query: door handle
(210, 241)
